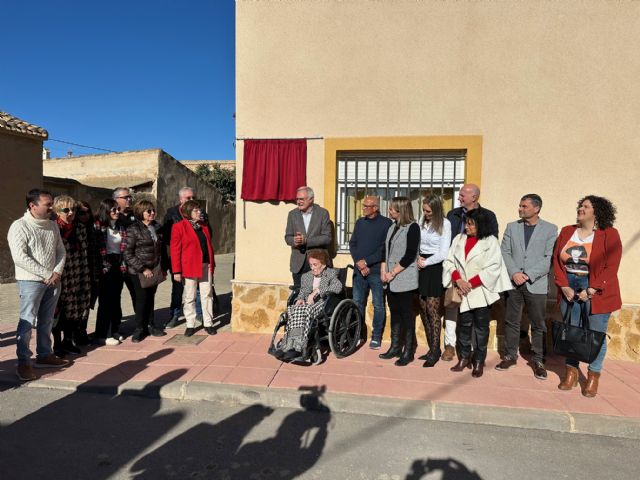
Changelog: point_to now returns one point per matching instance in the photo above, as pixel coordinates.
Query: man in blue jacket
(367, 250)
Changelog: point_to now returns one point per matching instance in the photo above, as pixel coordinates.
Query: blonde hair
(63, 201)
(402, 205)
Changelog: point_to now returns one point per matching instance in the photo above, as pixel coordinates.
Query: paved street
(81, 435)
(235, 367)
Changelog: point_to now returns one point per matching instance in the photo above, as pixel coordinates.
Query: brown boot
(591, 388)
(570, 379)
(449, 353)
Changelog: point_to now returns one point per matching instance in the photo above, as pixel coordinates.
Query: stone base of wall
(257, 306)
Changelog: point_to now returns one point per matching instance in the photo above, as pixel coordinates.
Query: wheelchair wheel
(345, 328)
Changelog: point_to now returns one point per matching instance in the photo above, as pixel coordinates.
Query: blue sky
(123, 75)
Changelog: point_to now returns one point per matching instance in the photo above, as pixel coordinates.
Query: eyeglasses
(150, 210)
(126, 197)
(368, 206)
(301, 199)
(190, 198)
(83, 212)
(115, 210)
(67, 210)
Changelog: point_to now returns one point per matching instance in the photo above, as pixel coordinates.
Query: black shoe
(432, 358)
(290, 355)
(394, 350)
(506, 364)
(405, 359)
(210, 330)
(80, 338)
(539, 371)
(173, 322)
(138, 336)
(60, 352)
(424, 357)
(69, 347)
(157, 332)
(189, 331)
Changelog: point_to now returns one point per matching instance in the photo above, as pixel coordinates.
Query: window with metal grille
(387, 174)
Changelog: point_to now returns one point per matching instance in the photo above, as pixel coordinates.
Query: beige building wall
(551, 88)
(21, 160)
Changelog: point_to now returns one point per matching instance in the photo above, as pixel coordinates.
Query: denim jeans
(37, 301)
(598, 322)
(361, 287)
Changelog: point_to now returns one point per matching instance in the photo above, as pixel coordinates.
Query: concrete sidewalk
(236, 367)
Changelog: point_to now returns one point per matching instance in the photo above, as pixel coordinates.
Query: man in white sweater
(38, 254)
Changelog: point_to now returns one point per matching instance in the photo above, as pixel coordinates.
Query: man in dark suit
(308, 226)
(468, 199)
(527, 248)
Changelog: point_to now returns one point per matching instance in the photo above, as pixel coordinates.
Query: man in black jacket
(468, 199)
(124, 199)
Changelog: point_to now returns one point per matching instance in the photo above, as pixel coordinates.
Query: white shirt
(306, 218)
(113, 240)
(435, 244)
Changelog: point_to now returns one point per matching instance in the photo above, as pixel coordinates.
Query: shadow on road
(88, 435)
(217, 450)
(449, 469)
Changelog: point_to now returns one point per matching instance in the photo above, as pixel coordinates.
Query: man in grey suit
(308, 226)
(527, 248)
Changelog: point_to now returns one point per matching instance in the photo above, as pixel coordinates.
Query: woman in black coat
(146, 263)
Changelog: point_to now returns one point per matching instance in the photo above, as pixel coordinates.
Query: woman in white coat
(474, 266)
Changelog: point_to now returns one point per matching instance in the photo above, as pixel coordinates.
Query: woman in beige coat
(474, 267)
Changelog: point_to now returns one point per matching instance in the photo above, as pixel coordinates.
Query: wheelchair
(340, 325)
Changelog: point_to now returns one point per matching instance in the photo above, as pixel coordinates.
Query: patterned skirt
(302, 318)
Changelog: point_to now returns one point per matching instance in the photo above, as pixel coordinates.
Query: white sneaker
(112, 341)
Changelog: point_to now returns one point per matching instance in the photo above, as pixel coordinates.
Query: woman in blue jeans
(585, 262)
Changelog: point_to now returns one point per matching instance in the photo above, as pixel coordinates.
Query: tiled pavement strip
(235, 367)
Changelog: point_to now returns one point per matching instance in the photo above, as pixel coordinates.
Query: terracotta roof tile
(15, 125)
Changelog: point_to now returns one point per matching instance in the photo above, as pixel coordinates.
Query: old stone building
(21, 160)
(152, 173)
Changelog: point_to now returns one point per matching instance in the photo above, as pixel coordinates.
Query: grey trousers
(535, 303)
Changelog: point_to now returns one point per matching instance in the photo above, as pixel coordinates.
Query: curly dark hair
(603, 209)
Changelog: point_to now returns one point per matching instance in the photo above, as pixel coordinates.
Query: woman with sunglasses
(111, 241)
(192, 263)
(75, 290)
(143, 253)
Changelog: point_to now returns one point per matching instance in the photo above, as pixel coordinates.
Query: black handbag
(577, 342)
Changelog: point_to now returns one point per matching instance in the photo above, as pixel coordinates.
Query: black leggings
(403, 316)
(145, 298)
(109, 299)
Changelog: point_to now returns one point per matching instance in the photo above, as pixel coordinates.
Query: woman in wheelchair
(309, 304)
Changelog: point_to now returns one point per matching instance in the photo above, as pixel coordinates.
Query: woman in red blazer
(585, 262)
(192, 262)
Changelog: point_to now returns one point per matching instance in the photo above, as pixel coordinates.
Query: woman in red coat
(585, 262)
(193, 263)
